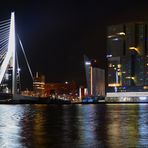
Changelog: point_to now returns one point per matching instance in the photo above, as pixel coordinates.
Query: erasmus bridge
(9, 66)
(8, 53)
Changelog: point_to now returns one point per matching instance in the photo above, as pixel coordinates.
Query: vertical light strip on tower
(91, 80)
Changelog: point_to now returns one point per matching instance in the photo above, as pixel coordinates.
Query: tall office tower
(95, 78)
(127, 54)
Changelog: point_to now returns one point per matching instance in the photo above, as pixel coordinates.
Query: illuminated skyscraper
(127, 54)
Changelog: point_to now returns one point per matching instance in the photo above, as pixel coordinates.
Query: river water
(82, 126)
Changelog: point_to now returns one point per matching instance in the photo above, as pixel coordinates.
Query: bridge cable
(26, 58)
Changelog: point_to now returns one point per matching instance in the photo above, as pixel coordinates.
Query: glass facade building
(127, 54)
(95, 78)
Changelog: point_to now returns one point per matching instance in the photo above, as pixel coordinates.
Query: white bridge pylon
(10, 54)
(8, 51)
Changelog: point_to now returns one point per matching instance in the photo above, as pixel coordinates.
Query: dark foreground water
(42, 126)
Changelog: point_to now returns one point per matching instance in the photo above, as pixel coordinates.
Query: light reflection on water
(10, 130)
(81, 126)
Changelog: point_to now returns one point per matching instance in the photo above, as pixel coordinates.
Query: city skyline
(56, 34)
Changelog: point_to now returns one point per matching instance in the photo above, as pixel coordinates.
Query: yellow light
(121, 33)
(136, 49)
(133, 78)
(147, 64)
(114, 84)
(119, 65)
(145, 87)
(119, 73)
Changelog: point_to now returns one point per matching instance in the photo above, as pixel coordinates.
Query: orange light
(145, 87)
(91, 79)
(114, 84)
(136, 49)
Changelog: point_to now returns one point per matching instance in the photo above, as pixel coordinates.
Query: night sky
(56, 34)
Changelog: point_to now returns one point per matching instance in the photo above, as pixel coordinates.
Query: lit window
(110, 65)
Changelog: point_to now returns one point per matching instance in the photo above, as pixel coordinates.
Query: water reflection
(143, 125)
(10, 129)
(74, 125)
(122, 125)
